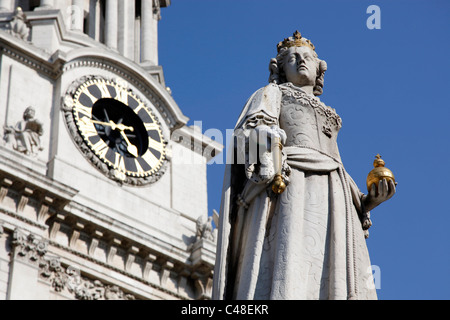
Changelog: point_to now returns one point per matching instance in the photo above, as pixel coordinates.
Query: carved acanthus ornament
(34, 250)
(28, 247)
(81, 288)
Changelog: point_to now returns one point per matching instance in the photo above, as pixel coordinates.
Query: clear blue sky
(390, 86)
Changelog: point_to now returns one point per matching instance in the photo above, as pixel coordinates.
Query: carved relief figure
(25, 135)
(307, 242)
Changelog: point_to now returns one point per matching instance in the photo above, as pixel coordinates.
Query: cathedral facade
(103, 187)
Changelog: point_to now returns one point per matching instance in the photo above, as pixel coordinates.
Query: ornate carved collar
(290, 91)
(297, 93)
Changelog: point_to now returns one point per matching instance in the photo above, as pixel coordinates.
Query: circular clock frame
(115, 130)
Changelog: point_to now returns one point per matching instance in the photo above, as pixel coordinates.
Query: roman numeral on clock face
(122, 95)
(78, 107)
(120, 163)
(100, 148)
(151, 160)
(139, 170)
(87, 129)
(104, 90)
(158, 146)
(151, 126)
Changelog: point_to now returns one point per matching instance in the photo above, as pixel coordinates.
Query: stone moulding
(34, 62)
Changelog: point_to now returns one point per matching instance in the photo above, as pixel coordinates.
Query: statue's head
(29, 113)
(298, 62)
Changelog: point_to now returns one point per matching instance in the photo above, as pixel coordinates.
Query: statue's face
(300, 66)
(29, 114)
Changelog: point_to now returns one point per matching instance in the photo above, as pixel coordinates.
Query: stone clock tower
(102, 182)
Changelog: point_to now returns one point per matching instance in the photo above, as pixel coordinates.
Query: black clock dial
(119, 128)
(106, 113)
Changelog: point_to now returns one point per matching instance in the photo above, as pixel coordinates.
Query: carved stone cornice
(28, 196)
(29, 55)
(16, 176)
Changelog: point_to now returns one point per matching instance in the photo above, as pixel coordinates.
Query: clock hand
(87, 121)
(131, 147)
(111, 124)
(121, 127)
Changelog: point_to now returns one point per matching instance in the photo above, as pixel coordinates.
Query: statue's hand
(262, 169)
(379, 194)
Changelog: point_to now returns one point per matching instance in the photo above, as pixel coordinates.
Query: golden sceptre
(278, 185)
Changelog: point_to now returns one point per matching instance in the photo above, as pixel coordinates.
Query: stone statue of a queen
(307, 242)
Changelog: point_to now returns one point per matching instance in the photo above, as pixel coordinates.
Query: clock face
(119, 128)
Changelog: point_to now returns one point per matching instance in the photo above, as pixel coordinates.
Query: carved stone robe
(308, 242)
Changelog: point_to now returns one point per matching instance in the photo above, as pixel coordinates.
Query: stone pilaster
(126, 23)
(111, 19)
(149, 33)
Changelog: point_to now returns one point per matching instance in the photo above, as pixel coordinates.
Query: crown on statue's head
(295, 41)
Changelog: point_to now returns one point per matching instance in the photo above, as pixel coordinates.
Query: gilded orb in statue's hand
(379, 173)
